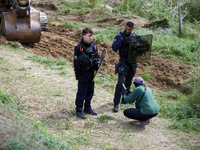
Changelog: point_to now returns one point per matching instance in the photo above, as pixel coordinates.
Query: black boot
(116, 107)
(91, 112)
(80, 114)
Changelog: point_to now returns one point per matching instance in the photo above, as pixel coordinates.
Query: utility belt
(123, 66)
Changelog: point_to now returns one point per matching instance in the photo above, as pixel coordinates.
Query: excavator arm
(19, 22)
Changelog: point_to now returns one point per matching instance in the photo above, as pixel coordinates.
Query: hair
(86, 31)
(130, 24)
(138, 84)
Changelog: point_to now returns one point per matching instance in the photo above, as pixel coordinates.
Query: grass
(56, 101)
(51, 63)
(174, 105)
(19, 132)
(105, 118)
(74, 25)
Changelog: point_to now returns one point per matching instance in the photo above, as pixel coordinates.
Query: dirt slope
(58, 41)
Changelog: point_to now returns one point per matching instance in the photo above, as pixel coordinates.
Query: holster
(116, 68)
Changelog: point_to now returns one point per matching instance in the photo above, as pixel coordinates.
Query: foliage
(94, 2)
(192, 89)
(157, 23)
(145, 74)
(74, 25)
(184, 48)
(173, 105)
(76, 7)
(106, 78)
(193, 8)
(189, 125)
(51, 63)
(21, 132)
(105, 118)
(6, 98)
(105, 35)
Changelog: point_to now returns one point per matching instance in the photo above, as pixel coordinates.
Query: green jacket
(147, 105)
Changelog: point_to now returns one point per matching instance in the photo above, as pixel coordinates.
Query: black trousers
(84, 95)
(135, 113)
(126, 73)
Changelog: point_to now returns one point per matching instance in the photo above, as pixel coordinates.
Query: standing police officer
(125, 70)
(86, 60)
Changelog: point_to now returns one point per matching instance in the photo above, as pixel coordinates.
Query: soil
(58, 41)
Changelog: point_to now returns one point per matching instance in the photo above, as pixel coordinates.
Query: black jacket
(86, 60)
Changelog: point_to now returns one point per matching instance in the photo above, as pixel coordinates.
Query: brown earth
(58, 41)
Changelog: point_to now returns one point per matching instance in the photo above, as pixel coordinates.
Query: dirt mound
(58, 41)
(3, 40)
(121, 21)
(45, 5)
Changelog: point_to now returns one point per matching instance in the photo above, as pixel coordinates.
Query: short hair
(86, 31)
(130, 24)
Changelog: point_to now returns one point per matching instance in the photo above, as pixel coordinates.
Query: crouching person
(86, 61)
(146, 106)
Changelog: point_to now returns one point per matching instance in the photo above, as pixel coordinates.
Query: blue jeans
(84, 95)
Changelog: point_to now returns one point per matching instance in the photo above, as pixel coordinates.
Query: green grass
(50, 63)
(174, 105)
(22, 132)
(6, 98)
(74, 25)
(105, 118)
(145, 74)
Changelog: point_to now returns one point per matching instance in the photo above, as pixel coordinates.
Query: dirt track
(58, 41)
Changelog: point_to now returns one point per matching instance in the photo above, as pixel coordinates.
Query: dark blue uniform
(125, 70)
(86, 60)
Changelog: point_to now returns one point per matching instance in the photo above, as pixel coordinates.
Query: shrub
(193, 8)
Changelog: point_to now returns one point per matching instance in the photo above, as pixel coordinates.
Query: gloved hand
(123, 91)
(97, 62)
(128, 92)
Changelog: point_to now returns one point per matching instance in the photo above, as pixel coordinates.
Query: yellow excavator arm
(19, 22)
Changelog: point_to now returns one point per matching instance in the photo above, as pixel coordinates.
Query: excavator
(19, 21)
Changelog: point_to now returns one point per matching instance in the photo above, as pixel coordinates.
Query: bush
(193, 8)
(192, 87)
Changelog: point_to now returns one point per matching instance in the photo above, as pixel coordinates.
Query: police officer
(125, 70)
(86, 60)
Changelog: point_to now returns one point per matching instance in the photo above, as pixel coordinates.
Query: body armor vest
(124, 49)
(88, 54)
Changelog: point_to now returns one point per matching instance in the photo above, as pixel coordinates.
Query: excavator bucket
(21, 25)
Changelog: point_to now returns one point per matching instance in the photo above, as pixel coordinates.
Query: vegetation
(19, 132)
(50, 63)
(182, 107)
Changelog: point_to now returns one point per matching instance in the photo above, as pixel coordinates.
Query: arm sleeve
(133, 96)
(76, 55)
(117, 42)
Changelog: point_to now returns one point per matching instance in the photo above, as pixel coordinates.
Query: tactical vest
(88, 54)
(124, 49)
